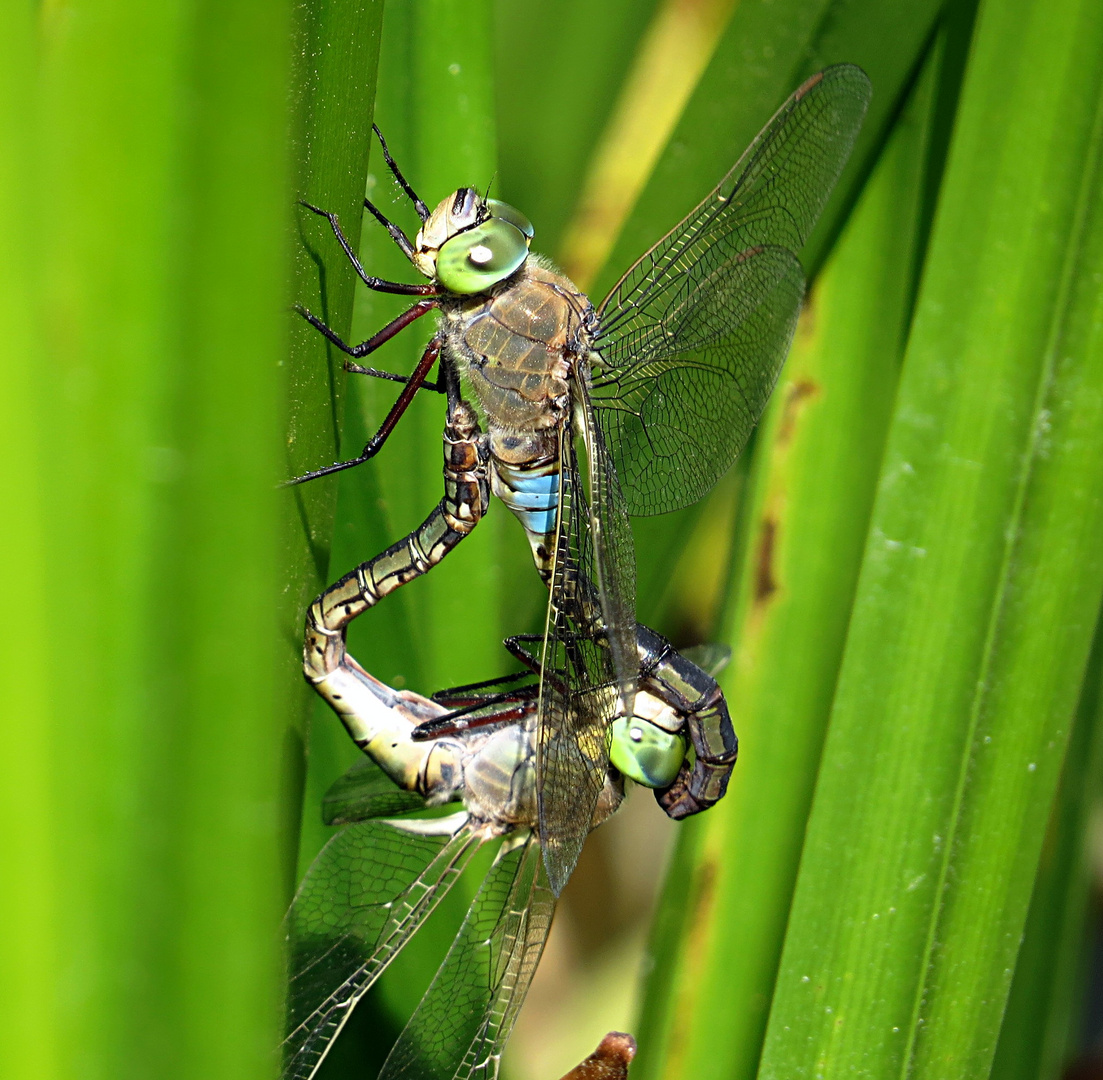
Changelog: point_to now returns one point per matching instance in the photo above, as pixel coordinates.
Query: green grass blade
(435, 106)
(334, 162)
(29, 946)
(337, 58)
(979, 591)
(1044, 1010)
(788, 40)
(808, 500)
(409, 640)
(337, 51)
(157, 188)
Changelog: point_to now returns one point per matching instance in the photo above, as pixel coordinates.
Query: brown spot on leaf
(765, 584)
(795, 396)
(707, 872)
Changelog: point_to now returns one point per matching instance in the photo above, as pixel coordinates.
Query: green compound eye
(645, 753)
(505, 212)
(474, 260)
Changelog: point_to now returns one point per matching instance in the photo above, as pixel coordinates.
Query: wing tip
(559, 860)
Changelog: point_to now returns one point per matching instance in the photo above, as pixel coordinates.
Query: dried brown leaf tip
(609, 1061)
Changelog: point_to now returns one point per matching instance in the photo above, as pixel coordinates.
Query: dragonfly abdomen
(466, 495)
(532, 494)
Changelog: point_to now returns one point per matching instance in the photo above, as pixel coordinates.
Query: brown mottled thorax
(517, 345)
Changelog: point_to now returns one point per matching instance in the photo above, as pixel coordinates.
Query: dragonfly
(635, 406)
(377, 880)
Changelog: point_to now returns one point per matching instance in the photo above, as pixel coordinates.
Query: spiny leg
(377, 339)
(374, 283)
(477, 706)
(472, 691)
(380, 337)
(415, 382)
(419, 205)
(479, 713)
(396, 233)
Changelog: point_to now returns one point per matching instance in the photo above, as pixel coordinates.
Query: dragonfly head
(645, 752)
(469, 243)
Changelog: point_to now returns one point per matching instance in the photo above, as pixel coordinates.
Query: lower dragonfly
(378, 879)
(699, 780)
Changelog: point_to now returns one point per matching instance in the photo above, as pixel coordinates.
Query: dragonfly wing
(466, 1015)
(711, 657)
(589, 664)
(366, 791)
(692, 338)
(367, 892)
(609, 559)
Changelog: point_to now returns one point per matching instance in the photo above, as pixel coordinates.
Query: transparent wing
(711, 657)
(459, 1029)
(589, 663)
(367, 892)
(609, 560)
(692, 338)
(366, 791)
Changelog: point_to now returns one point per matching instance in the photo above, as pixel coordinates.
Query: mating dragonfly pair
(591, 415)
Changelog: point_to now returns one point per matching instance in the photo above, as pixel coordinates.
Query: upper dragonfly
(637, 406)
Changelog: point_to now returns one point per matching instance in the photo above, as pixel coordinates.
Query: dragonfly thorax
(500, 779)
(498, 785)
(518, 346)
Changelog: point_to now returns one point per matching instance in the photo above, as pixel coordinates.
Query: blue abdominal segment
(533, 496)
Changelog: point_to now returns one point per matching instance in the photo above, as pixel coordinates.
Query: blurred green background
(907, 564)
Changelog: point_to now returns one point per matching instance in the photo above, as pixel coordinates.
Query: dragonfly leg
(697, 696)
(397, 235)
(375, 443)
(454, 696)
(479, 714)
(419, 204)
(375, 284)
(390, 376)
(472, 706)
(515, 646)
(422, 307)
(476, 706)
(467, 492)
